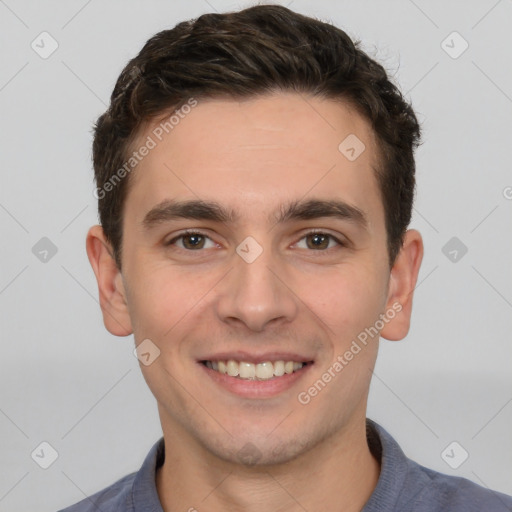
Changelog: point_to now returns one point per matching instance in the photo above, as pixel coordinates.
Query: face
(250, 237)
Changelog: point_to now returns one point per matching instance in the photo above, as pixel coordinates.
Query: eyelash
(198, 232)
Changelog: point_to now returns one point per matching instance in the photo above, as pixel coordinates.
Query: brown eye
(191, 241)
(318, 241)
(194, 241)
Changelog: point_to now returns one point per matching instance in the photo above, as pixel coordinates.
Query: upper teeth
(244, 370)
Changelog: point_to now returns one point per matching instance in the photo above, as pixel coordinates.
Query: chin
(261, 450)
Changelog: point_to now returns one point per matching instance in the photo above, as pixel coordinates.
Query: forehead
(259, 151)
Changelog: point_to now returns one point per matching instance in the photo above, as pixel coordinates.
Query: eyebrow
(198, 209)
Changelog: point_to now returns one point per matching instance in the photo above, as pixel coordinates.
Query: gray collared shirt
(403, 486)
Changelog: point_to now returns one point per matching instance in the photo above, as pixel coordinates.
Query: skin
(252, 157)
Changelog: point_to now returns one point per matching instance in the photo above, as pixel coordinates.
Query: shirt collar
(393, 468)
(144, 493)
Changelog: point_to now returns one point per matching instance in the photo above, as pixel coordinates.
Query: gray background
(65, 380)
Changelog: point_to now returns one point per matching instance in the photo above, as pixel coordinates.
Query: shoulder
(442, 492)
(115, 498)
(136, 490)
(406, 486)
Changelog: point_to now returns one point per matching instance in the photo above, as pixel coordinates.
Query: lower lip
(256, 388)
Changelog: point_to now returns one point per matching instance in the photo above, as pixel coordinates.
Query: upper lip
(259, 357)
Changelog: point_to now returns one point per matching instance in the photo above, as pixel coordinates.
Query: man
(255, 179)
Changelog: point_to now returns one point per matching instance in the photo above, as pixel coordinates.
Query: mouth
(262, 375)
(256, 371)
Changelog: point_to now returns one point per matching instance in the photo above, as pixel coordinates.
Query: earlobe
(112, 295)
(404, 276)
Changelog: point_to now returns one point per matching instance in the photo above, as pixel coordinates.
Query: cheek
(154, 308)
(347, 298)
(165, 297)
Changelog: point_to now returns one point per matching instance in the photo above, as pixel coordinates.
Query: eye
(319, 241)
(192, 241)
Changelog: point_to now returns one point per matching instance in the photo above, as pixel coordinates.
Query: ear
(110, 283)
(402, 282)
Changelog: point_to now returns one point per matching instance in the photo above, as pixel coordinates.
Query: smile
(265, 370)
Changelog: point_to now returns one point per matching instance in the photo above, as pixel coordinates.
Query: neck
(339, 473)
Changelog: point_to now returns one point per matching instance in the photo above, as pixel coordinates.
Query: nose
(256, 293)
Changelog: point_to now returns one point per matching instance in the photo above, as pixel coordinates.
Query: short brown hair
(258, 50)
